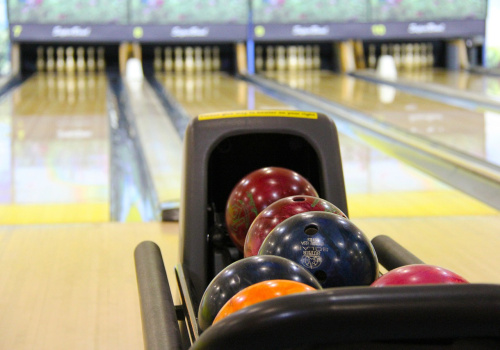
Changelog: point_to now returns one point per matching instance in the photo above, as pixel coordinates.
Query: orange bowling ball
(259, 292)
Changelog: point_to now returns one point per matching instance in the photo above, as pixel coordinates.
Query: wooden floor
(466, 245)
(74, 286)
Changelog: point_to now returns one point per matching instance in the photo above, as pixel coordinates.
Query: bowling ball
(277, 212)
(259, 292)
(243, 273)
(255, 192)
(418, 274)
(330, 246)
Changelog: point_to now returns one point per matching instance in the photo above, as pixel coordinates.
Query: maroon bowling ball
(255, 192)
(418, 274)
(279, 211)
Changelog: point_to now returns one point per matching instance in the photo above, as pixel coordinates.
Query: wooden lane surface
(467, 245)
(57, 167)
(458, 128)
(376, 184)
(215, 92)
(160, 141)
(461, 80)
(74, 286)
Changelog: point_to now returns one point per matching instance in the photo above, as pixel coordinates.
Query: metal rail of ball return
(430, 316)
(444, 316)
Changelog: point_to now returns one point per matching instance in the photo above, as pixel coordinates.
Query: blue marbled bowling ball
(330, 246)
(244, 273)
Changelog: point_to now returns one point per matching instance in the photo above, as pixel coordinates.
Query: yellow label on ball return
(260, 113)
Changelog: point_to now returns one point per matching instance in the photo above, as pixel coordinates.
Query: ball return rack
(219, 149)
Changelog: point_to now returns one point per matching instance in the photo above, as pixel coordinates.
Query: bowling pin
(157, 61)
(423, 55)
(40, 61)
(198, 59)
(60, 61)
(281, 62)
(91, 59)
(207, 56)
(301, 61)
(80, 59)
(168, 63)
(308, 60)
(417, 61)
(316, 57)
(383, 50)
(179, 62)
(70, 60)
(101, 63)
(259, 60)
(270, 62)
(216, 58)
(50, 59)
(408, 57)
(397, 55)
(292, 58)
(372, 58)
(189, 59)
(430, 55)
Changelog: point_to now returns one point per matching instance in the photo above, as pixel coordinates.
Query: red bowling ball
(418, 274)
(279, 211)
(257, 191)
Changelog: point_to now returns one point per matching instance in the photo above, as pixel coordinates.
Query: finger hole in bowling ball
(311, 230)
(320, 276)
(299, 199)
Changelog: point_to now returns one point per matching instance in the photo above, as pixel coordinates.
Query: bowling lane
(474, 83)
(471, 132)
(213, 92)
(54, 154)
(160, 141)
(377, 185)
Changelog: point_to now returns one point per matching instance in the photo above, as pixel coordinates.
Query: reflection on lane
(463, 130)
(460, 80)
(59, 169)
(213, 92)
(376, 184)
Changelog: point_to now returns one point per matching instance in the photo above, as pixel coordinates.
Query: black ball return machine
(221, 148)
